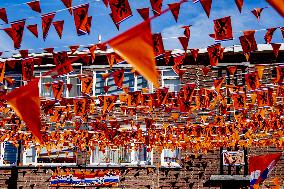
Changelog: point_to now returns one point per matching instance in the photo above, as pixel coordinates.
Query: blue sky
(190, 14)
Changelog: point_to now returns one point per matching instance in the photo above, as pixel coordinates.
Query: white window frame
(133, 159)
(170, 164)
(42, 164)
(2, 151)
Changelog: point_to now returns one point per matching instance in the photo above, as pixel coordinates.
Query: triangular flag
(167, 57)
(11, 63)
(58, 25)
(232, 69)
(257, 12)
(269, 34)
(144, 13)
(106, 2)
(33, 29)
(73, 48)
(105, 75)
(24, 53)
(206, 4)
(184, 42)
(282, 31)
(278, 5)
(120, 10)
(47, 86)
(69, 87)
(16, 32)
(218, 83)
(175, 7)
(3, 15)
(49, 50)
(68, 4)
(102, 46)
(239, 4)
(118, 77)
(141, 54)
(2, 71)
(23, 97)
(106, 88)
(194, 53)
(156, 6)
(81, 18)
(275, 48)
(205, 70)
(35, 6)
(259, 69)
(46, 21)
(92, 52)
(186, 31)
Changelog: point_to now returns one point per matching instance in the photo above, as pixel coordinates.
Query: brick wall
(194, 172)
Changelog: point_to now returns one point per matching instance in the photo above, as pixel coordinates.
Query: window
(170, 80)
(9, 154)
(120, 155)
(170, 158)
(41, 156)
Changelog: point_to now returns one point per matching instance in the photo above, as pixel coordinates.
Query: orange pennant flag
(23, 97)
(206, 4)
(259, 69)
(275, 48)
(2, 71)
(239, 4)
(232, 69)
(278, 5)
(87, 84)
(257, 12)
(218, 83)
(118, 77)
(141, 53)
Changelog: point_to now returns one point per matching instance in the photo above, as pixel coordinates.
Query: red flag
(120, 10)
(73, 48)
(186, 31)
(214, 52)
(194, 53)
(167, 57)
(144, 13)
(35, 6)
(257, 12)
(116, 24)
(156, 6)
(206, 4)
(113, 58)
(223, 29)
(269, 34)
(261, 166)
(24, 53)
(158, 44)
(79, 106)
(11, 63)
(47, 86)
(178, 61)
(92, 52)
(282, 31)
(175, 7)
(205, 70)
(248, 42)
(49, 50)
(68, 4)
(141, 53)
(232, 69)
(106, 2)
(278, 5)
(62, 62)
(16, 32)
(46, 21)
(3, 15)
(184, 42)
(69, 87)
(28, 69)
(81, 18)
(218, 83)
(23, 97)
(58, 25)
(252, 80)
(89, 25)
(87, 84)
(33, 29)
(2, 71)
(106, 88)
(118, 77)
(275, 48)
(57, 88)
(239, 4)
